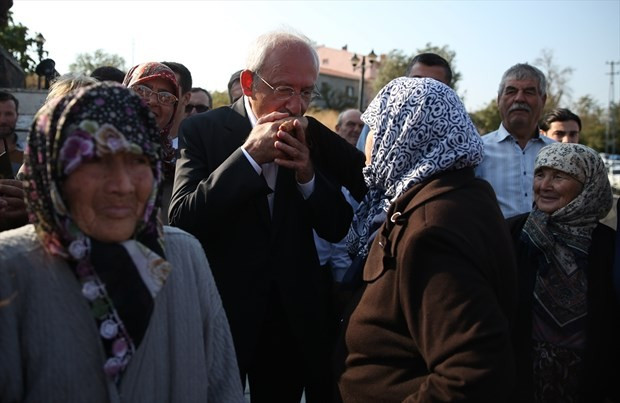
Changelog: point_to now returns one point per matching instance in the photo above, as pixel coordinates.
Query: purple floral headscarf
(91, 122)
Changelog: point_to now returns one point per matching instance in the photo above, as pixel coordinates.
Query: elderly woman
(433, 323)
(568, 328)
(98, 301)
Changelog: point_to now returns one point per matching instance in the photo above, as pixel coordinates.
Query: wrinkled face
(420, 70)
(520, 105)
(107, 196)
(163, 113)
(8, 118)
(554, 189)
(351, 126)
(564, 132)
(292, 66)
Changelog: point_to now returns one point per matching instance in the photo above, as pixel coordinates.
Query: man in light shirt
(509, 152)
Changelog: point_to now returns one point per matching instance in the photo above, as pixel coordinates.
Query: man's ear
(247, 78)
(186, 97)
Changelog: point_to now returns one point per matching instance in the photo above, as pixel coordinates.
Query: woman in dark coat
(433, 323)
(567, 336)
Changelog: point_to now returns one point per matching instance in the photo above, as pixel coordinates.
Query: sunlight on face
(107, 196)
(554, 189)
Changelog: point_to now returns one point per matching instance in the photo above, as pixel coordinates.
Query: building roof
(337, 62)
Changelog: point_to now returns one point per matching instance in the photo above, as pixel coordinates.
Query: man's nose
(295, 105)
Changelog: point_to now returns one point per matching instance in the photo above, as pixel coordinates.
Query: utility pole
(610, 129)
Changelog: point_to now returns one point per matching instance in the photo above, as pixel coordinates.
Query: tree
(85, 63)
(487, 119)
(334, 99)
(592, 122)
(15, 40)
(220, 98)
(447, 54)
(558, 91)
(392, 65)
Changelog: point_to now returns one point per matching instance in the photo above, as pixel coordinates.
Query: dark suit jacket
(602, 351)
(219, 197)
(433, 323)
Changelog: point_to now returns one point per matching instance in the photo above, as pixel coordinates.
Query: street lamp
(40, 40)
(372, 57)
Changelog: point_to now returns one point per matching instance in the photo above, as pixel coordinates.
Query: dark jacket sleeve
(337, 159)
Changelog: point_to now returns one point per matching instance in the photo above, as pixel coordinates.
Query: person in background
(9, 142)
(156, 83)
(234, 87)
(98, 301)
(568, 324)
(349, 125)
(509, 152)
(429, 65)
(108, 73)
(199, 102)
(561, 125)
(184, 81)
(66, 83)
(12, 207)
(433, 322)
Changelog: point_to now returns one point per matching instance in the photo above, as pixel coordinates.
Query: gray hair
(341, 115)
(522, 71)
(266, 43)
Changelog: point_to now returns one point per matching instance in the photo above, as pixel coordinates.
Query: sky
(212, 38)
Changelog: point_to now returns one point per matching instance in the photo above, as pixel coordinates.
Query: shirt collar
(249, 111)
(502, 134)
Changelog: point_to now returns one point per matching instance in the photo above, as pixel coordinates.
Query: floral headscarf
(85, 124)
(148, 71)
(564, 236)
(420, 128)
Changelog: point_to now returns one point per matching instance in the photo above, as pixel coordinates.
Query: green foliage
(487, 119)
(15, 40)
(558, 91)
(85, 63)
(220, 98)
(592, 122)
(334, 99)
(393, 65)
(449, 55)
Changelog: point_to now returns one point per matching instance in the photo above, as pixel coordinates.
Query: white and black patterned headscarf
(420, 129)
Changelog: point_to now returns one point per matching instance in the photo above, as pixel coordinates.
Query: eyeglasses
(284, 92)
(163, 97)
(199, 108)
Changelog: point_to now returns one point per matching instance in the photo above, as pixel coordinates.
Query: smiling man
(253, 180)
(509, 152)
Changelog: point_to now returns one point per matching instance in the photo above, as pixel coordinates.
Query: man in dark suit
(253, 180)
